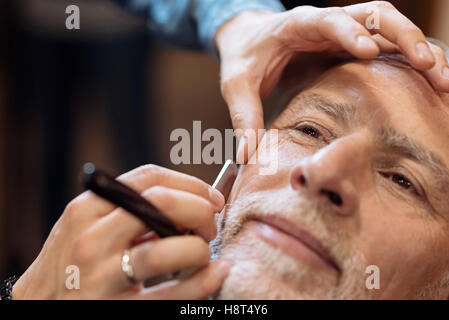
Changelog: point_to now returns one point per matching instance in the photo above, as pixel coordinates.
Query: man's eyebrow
(403, 145)
(341, 112)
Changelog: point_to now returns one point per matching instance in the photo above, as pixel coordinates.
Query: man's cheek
(394, 259)
(270, 167)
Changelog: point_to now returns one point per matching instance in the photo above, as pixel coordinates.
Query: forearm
(194, 23)
(213, 17)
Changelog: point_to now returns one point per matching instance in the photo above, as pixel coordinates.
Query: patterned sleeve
(193, 23)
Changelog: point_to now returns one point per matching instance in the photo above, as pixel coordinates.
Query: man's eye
(311, 134)
(310, 131)
(402, 181)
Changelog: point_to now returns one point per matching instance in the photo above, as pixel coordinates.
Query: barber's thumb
(246, 111)
(248, 140)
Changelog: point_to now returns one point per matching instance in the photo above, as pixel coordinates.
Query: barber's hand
(255, 47)
(92, 235)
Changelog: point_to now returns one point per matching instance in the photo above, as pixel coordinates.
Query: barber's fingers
(326, 29)
(439, 74)
(155, 258)
(182, 208)
(185, 209)
(143, 178)
(385, 45)
(245, 108)
(199, 286)
(168, 255)
(340, 28)
(398, 29)
(147, 176)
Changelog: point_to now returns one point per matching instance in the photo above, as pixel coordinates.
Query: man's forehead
(388, 76)
(384, 91)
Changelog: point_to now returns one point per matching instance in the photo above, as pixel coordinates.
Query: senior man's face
(362, 180)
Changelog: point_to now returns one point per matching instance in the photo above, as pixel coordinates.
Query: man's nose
(333, 173)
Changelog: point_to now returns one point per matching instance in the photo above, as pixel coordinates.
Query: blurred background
(108, 93)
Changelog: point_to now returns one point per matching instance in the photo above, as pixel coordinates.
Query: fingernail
(366, 42)
(241, 150)
(222, 269)
(423, 51)
(446, 72)
(216, 197)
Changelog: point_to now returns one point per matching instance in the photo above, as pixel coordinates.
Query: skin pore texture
(362, 170)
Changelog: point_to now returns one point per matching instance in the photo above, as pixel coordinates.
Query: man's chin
(262, 271)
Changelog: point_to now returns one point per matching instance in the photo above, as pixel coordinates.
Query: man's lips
(292, 239)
